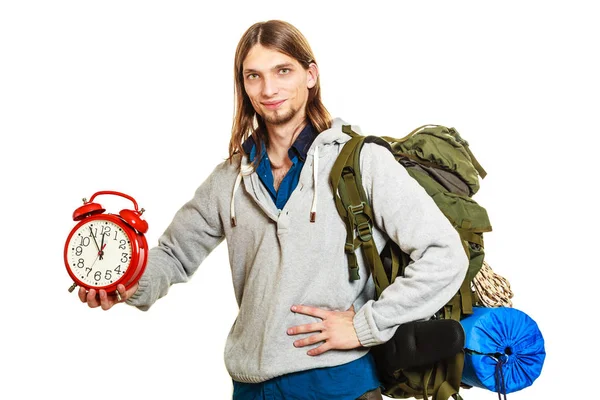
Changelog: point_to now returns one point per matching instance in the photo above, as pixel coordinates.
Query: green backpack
(440, 160)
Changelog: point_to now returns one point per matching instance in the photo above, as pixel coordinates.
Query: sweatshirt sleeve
(195, 230)
(410, 217)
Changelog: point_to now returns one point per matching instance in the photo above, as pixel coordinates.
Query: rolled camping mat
(504, 349)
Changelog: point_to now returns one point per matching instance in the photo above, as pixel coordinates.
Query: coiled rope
(493, 290)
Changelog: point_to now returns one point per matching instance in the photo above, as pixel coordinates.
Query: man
(304, 329)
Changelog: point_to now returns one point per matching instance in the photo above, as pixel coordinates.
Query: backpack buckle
(354, 275)
(359, 209)
(349, 248)
(364, 231)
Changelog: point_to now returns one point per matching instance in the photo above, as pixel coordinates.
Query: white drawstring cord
(244, 170)
(313, 208)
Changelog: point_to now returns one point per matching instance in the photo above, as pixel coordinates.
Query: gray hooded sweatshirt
(279, 258)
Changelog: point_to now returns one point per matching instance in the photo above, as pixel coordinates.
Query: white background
(137, 96)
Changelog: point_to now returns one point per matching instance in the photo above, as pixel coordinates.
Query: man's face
(277, 85)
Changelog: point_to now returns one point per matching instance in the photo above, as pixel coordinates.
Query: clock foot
(73, 286)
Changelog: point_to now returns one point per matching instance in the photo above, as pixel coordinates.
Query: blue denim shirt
(296, 153)
(343, 382)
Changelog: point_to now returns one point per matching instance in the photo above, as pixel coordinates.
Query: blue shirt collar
(299, 148)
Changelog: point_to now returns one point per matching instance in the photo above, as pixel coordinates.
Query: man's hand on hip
(335, 330)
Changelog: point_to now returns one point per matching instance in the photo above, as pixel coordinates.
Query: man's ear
(313, 74)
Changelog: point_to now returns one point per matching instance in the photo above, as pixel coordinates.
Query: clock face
(98, 253)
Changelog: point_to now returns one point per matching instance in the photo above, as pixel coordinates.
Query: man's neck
(281, 138)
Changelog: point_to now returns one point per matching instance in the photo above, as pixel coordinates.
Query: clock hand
(101, 251)
(94, 263)
(94, 237)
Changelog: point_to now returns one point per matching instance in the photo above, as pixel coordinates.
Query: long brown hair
(287, 39)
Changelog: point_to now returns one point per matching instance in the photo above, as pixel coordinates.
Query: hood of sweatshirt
(318, 149)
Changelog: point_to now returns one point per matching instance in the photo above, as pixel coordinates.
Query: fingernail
(294, 308)
(289, 331)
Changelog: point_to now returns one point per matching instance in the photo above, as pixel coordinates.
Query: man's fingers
(82, 294)
(312, 311)
(98, 298)
(336, 330)
(105, 302)
(91, 299)
(320, 350)
(316, 327)
(122, 293)
(321, 337)
(103, 299)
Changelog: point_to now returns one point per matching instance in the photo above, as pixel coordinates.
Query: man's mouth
(272, 105)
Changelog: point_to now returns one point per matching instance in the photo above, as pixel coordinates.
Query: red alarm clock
(105, 250)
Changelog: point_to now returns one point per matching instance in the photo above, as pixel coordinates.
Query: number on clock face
(99, 253)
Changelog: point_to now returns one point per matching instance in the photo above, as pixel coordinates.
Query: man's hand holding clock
(99, 298)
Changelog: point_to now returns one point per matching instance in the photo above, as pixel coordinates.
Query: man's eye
(284, 71)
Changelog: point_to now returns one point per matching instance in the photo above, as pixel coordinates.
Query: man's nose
(270, 87)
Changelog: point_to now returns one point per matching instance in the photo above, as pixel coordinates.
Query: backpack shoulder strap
(354, 209)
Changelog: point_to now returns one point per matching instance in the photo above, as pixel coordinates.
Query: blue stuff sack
(504, 349)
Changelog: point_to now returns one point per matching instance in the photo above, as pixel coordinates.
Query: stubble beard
(279, 118)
